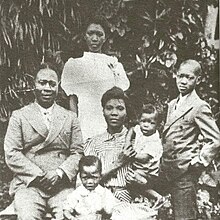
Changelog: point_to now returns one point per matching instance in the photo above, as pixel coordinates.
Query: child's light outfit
(133, 211)
(151, 145)
(85, 202)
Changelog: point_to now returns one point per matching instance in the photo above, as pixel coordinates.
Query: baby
(145, 140)
(90, 200)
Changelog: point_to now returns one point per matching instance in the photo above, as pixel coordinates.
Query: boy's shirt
(180, 101)
(86, 202)
(180, 136)
(148, 145)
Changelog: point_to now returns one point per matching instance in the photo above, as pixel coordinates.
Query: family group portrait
(109, 110)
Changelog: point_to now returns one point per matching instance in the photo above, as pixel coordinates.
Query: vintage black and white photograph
(109, 110)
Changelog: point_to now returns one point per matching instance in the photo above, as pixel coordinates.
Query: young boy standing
(183, 160)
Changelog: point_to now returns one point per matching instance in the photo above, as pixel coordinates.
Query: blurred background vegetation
(150, 38)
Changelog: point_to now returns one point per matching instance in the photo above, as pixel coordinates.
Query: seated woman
(109, 146)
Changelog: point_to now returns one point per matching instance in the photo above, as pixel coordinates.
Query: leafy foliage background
(150, 38)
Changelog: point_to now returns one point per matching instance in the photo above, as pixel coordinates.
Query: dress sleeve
(89, 148)
(72, 76)
(121, 78)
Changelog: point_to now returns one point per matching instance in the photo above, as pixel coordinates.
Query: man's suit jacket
(30, 149)
(181, 133)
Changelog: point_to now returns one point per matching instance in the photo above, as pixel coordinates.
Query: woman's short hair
(97, 20)
(90, 160)
(114, 93)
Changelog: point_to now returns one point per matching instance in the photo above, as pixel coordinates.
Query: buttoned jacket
(31, 149)
(180, 135)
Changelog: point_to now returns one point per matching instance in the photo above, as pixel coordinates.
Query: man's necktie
(47, 119)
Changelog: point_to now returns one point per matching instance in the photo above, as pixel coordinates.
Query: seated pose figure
(90, 200)
(43, 145)
(109, 146)
(146, 142)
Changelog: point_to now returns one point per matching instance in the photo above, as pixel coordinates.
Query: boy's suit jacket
(30, 149)
(181, 132)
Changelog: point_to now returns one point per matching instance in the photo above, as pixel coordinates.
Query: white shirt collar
(45, 110)
(182, 98)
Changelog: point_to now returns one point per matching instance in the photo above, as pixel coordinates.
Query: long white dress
(89, 77)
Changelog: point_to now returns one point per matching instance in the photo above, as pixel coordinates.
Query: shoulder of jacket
(203, 106)
(172, 101)
(200, 102)
(22, 110)
(67, 112)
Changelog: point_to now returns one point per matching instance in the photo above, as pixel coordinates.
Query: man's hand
(49, 180)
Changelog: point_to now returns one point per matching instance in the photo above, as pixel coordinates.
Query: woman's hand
(135, 177)
(126, 154)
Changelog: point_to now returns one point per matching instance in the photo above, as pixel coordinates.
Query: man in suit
(183, 160)
(43, 145)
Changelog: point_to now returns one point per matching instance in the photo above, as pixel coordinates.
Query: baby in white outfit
(90, 200)
(145, 140)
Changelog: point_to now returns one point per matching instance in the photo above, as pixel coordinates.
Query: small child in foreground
(145, 140)
(90, 200)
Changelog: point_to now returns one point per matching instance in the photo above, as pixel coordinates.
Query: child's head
(90, 169)
(188, 76)
(148, 119)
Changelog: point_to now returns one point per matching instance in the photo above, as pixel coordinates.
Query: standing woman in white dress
(85, 79)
